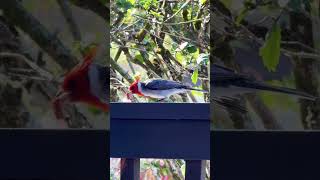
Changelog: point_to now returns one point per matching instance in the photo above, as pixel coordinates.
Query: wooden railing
(162, 131)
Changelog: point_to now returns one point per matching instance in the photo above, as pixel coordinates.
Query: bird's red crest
(134, 88)
(76, 84)
(77, 77)
(83, 67)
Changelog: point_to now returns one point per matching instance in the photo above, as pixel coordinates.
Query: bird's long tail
(289, 91)
(200, 90)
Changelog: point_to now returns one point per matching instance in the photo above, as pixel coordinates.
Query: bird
(85, 83)
(227, 84)
(159, 88)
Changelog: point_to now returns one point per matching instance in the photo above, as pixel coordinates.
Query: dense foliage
(160, 39)
(275, 41)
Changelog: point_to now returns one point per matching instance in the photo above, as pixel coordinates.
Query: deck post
(130, 169)
(195, 169)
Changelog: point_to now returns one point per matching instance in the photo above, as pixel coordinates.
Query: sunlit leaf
(167, 42)
(164, 171)
(270, 51)
(197, 93)
(146, 4)
(194, 76)
(202, 2)
(132, 1)
(128, 17)
(179, 57)
(196, 54)
(156, 14)
(139, 57)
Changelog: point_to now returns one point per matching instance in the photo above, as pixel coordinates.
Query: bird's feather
(162, 84)
(98, 78)
(226, 81)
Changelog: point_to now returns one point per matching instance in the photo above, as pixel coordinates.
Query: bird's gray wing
(162, 84)
(99, 80)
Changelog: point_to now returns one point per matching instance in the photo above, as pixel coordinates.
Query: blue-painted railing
(160, 130)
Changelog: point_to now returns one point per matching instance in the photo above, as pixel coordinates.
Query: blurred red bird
(86, 83)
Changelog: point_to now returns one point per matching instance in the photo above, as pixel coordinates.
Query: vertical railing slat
(130, 169)
(195, 169)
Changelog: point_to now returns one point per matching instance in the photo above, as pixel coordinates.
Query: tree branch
(118, 68)
(17, 14)
(95, 6)
(67, 13)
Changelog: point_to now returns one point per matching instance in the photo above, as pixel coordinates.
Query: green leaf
(132, 1)
(164, 171)
(179, 57)
(146, 4)
(191, 48)
(167, 42)
(194, 76)
(270, 51)
(140, 58)
(195, 55)
(202, 2)
(156, 14)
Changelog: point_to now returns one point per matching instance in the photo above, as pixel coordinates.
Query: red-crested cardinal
(86, 83)
(159, 88)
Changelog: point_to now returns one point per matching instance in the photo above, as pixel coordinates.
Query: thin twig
(29, 62)
(67, 13)
(252, 36)
(184, 5)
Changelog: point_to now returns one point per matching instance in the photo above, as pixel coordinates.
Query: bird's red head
(76, 87)
(134, 89)
(76, 82)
